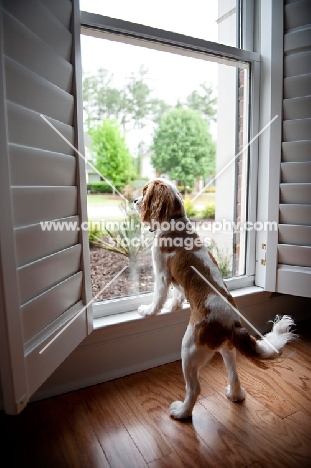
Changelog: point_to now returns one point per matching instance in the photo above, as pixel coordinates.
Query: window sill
(124, 307)
(242, 296)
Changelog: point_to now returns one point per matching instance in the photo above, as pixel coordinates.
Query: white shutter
(294, 240)
(44, 275)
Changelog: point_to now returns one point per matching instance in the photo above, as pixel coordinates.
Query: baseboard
(71, 386)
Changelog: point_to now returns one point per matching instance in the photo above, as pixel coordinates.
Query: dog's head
(159, 202)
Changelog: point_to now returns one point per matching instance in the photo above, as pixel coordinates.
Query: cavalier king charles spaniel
(181, 259)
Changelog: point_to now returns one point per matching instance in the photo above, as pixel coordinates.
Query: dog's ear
(158, 202)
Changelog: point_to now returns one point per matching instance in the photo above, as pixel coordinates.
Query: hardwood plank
(115, 440)
(89, 451)
(33, 445)
(182, 436)
(298, 398)
(215, 435)
(226, 444)
(301, 418)
(293, 373)
(301, 422)
(253, 384)
(172, 375)
(293, 442)
(236, 417)
(215, 375)
(257, 464)
(145, 434)
(266, 395)
(299, 352)
(53, 434)
(169, 461)
(289, 444)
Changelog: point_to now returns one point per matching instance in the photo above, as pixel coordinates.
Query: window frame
(140, 35)
(271, 36)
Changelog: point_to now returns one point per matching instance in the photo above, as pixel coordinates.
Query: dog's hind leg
(234, 391)
(193, 359)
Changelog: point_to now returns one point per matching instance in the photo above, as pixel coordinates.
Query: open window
(178, 77)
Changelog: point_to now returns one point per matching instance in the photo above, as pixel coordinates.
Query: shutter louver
(294, 242)
(44, 180)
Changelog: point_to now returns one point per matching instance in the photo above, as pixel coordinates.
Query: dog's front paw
(179, 411)
(146, 310)
(235, 396)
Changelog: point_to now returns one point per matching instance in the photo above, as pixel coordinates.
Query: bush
(189, 207)
(101, 187)
(130, 239)
(138, 184)
(223, 260)
(181, 189)
(210, 189)
(95, 234)
(208, 212)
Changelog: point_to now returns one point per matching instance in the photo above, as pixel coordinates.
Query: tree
(132, 106)
(158, 109)
(102, 100)
(138, 97)
(136, 109)
(183, 146)
(203, 102)
(112, 157)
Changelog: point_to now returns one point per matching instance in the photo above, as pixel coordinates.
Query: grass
(204, 199)
(103, 200)
(103, 206)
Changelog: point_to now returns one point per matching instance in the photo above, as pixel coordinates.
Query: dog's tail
(270, 345)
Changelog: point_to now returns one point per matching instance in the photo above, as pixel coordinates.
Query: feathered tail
(272, 343)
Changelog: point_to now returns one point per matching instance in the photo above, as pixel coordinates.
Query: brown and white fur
(214, 325)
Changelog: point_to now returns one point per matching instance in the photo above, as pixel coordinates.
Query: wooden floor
(125, 423)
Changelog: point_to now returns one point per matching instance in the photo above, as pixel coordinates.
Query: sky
(171, 76)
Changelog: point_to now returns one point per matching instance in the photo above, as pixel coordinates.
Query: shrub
(189, 207)
(181, 189)
(139, 183)
(210, 189)
(223, 260)
(208, 212)
(101, 187)
(95, 234)
(130, 239)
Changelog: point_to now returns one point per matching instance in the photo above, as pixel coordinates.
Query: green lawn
(103, 200)
(204, 199)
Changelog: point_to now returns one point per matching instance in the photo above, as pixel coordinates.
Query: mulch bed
(104, 267)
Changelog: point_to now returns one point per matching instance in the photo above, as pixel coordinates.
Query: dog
(181, 259)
